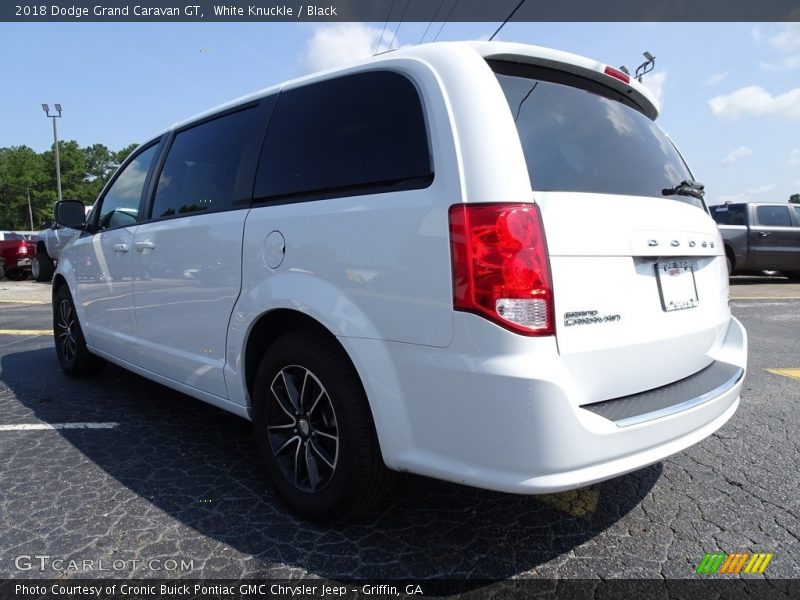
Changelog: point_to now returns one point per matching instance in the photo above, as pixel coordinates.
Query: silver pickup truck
(49, 242)
(760, 236)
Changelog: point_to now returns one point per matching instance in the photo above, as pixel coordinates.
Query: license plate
(676, 285)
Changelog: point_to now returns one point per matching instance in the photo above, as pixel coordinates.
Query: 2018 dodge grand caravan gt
(480, 262)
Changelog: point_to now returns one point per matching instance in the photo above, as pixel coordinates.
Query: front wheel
(75, 358)
(314, 428)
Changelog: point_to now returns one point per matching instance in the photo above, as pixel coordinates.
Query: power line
(431, 21)
(400, 23)
(507, 19)
(389, 14)
(452, 8)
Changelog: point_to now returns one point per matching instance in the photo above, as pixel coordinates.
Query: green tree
(794, 198)
(25, 173)
(22, 173)
(121, 155)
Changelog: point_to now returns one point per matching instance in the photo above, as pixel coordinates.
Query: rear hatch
(639, 277)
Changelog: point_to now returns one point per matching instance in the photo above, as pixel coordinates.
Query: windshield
(576, 140)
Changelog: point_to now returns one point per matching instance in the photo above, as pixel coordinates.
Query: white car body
(453, 395)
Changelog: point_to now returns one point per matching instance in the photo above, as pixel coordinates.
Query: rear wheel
(314, 428)
(42, 267)
(75, 358)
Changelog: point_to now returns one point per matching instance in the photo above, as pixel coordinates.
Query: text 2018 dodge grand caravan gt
(480, 262)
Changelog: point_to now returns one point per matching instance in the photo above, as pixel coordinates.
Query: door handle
(145, 245)
(120, 247)
(763, 234)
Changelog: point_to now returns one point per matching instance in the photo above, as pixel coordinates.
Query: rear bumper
(24, 263)
(482, 420)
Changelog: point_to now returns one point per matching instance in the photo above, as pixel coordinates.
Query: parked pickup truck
(17, 252)
(760, 236)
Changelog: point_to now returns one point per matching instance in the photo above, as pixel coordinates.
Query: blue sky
(730, 91)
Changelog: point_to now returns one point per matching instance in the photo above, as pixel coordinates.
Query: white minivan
(481, 262)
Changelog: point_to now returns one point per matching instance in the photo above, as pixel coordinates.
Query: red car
(17, 252)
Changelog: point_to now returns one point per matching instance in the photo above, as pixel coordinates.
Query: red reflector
(617, 74)
(501, 269)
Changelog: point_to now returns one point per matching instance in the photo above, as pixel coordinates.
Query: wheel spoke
(327, 435)
(316, 402)
(297, 464)
(291, 390)
(286, 444)
(302, 391)
(287, 426)
(288, 410)
(321, 454)
(313, 471)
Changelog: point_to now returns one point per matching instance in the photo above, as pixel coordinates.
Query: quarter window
(201, 169)
(774, 216)
(358, 134)
(120, 205)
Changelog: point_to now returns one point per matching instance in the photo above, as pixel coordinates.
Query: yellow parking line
(23, 302)
(578, 503)
(792, 373)
(26, 332)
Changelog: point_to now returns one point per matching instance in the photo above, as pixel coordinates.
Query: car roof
(451, 55)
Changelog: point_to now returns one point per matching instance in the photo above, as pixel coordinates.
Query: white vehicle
(480, 262)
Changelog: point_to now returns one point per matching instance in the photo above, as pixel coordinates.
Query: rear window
(13, 236)
(728, 215)
(579, 136)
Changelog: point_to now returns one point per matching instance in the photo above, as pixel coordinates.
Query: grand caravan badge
(588, 317)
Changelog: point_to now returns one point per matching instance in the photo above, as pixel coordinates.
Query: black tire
(350, 473)
(42, 267)
(75, 358)
(730, 265)
(17, 274)
(793, 276)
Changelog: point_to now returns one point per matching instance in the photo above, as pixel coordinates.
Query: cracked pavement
(181, 480)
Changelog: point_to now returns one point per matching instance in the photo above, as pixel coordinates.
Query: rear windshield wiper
(686, 188)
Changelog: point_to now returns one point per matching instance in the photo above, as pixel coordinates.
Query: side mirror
(70, 213)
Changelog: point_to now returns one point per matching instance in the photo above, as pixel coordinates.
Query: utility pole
(46, 109)
(30, 210)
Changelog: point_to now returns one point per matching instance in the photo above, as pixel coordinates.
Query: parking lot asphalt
(116, 468)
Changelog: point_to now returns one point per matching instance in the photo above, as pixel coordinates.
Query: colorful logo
(740, 562)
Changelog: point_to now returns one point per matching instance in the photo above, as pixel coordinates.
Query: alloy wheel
(65, 334)
(303, 429)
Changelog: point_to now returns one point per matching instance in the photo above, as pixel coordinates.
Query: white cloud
(786, 63)
(755, 100)
(655, 83)
(735, 155)
(343, 43)
(717, 78)
(787, 38)
(794, 158)
(747, 195)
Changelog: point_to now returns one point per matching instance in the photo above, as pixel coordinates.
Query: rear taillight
(23, 249)
(501, 268)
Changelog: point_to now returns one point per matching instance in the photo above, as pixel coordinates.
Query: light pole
(46, 109)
